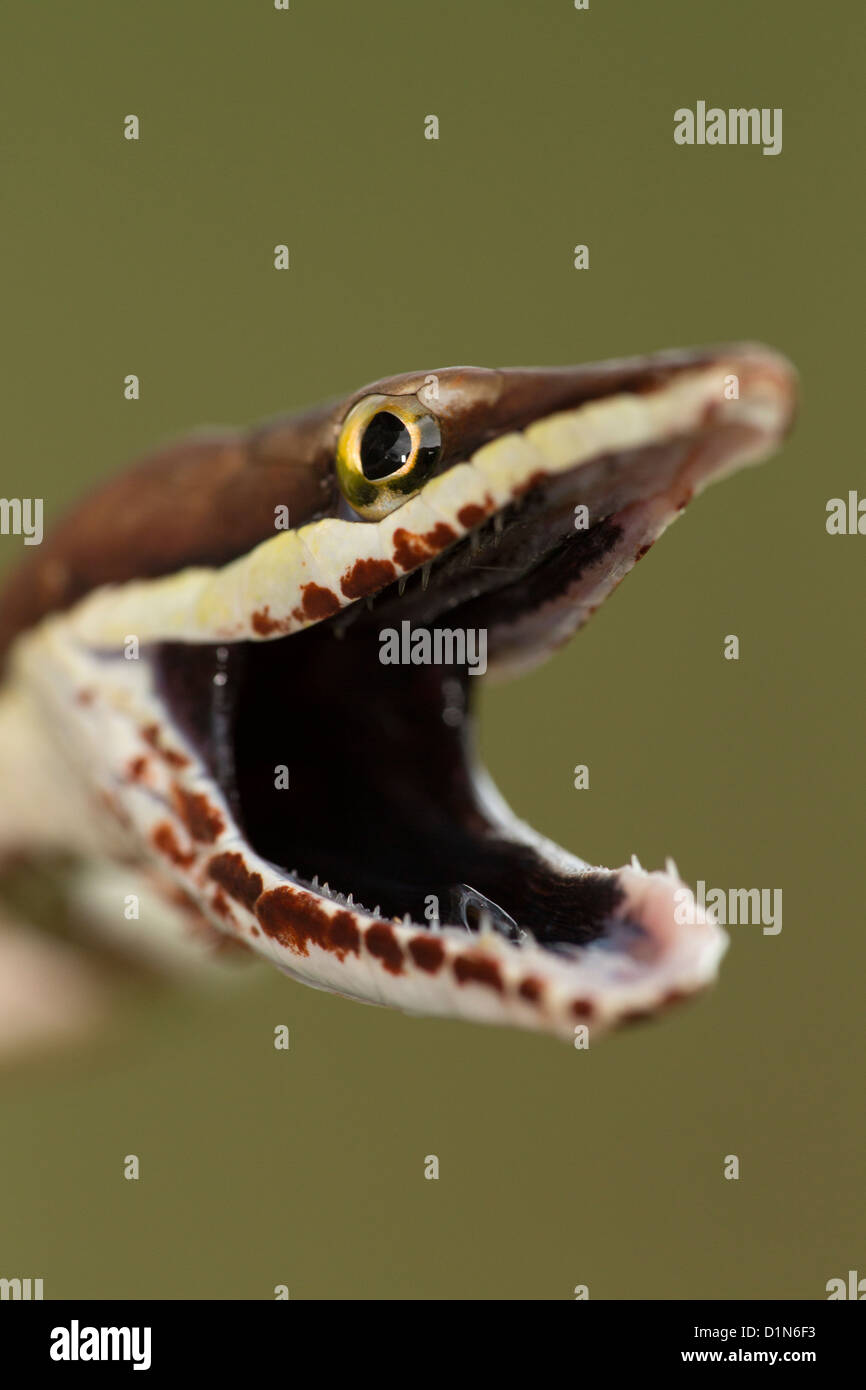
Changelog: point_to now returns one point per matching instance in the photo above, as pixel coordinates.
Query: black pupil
(385, 447)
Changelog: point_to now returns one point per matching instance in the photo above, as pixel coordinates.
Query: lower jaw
(385, 800)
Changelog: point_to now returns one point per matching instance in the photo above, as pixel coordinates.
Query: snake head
(319, 596)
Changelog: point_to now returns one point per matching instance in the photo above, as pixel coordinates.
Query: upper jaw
(677, 404)
(475, 405)
(532, 570)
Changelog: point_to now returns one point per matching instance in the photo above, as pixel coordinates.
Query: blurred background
(558, 1167)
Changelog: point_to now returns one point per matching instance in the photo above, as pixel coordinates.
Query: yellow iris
(388, 448)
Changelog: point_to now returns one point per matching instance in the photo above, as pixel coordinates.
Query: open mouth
(296, 747)
(356, 778)
(387, 806)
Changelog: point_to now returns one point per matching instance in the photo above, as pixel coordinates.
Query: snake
(194, 688)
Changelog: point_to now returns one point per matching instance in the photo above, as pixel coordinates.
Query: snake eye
(388, 448)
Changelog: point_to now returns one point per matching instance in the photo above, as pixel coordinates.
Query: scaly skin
(254, 648)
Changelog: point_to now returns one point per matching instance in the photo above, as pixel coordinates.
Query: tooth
(316, 882)
(485, 924)
(425, 575)
(326, 889)
(401, 584)
(671, 868)
(350, 902)
(636, 864)
(407, 920)
(376, 910)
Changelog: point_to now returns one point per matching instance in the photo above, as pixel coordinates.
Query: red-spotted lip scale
(200, 646)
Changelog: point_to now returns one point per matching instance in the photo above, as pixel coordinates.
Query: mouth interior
(386, 799)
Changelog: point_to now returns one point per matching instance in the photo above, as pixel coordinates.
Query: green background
(558, 1167)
